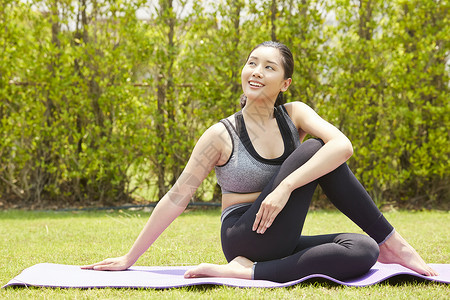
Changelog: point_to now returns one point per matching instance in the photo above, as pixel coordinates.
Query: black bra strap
(242, 133)
(285, 130)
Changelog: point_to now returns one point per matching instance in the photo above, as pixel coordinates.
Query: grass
(77, 238)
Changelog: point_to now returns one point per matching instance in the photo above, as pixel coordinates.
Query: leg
(341, 256)
(350, 197)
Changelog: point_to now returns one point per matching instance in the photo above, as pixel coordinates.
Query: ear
(286, 84)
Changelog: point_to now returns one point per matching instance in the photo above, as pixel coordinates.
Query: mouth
(255, 84)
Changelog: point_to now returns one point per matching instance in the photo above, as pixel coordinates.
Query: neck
(258, 111)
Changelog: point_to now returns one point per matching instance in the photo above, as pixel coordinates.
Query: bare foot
(240, 267)
(396, 250)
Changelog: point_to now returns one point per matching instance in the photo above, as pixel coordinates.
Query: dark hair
(288, 65)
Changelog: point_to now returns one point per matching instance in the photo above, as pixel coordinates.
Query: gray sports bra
(246, 171)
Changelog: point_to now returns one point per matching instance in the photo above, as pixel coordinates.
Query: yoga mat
(66, 276)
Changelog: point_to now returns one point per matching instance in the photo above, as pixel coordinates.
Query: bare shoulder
(299, 111)
(216, 133)
(309, 122)
(217, 139)
(297, 107)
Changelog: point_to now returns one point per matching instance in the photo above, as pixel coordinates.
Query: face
(263, 75)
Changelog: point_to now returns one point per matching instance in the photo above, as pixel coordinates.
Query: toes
(432, 272)
(191, 274)
(201, 270)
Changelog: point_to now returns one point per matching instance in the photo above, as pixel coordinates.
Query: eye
(270, 68)
(252, 63)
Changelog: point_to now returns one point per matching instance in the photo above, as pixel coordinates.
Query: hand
(111, 264)
(270, 208)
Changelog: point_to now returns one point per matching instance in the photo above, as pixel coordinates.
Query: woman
(267, 178)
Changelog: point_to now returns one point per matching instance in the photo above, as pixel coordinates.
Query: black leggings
(281, 254)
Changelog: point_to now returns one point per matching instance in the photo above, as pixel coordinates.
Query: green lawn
(77, 238)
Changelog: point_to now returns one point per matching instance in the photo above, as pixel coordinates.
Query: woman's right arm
(207, 152)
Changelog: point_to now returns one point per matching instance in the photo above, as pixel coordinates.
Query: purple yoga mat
(66, 276)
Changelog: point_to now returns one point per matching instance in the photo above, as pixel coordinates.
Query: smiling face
(263, 76)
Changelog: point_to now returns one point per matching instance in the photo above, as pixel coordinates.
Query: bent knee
(314, 143)
(368, 249)
(362, 246)
(311, 146)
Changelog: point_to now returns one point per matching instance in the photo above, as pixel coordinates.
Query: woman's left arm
(336, 151)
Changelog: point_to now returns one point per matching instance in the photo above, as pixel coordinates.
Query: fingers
(87, 267)
(94, 266)
(257, 219)
(106, 265)
(261, 226)
(268, 222)
(109, 267)
(264, 218)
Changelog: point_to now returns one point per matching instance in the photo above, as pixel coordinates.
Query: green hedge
(102, 101)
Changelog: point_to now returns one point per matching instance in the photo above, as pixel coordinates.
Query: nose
(257, 73)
